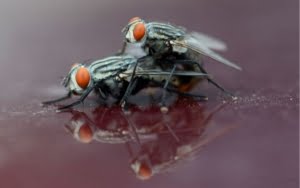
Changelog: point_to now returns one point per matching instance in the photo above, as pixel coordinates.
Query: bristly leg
(174, 90)
(80, 100)
(122, 51)
(69, 94)
(129, 88)
(128, 92)
(166, 124)
(196, 96)
(134, 129)
(215, 83)
(208, 79)
(129, 149)
(163, 108)
(213, 112)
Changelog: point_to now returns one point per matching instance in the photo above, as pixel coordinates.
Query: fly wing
(210, 42)
(160, 73)
(201, 48)
(175, 73)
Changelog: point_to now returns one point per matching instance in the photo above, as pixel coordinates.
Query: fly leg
(128, 92)
(80, 100)
(213, 112)
(167, 125)
(199, 97)
(131, 85)
(164, 108)
(173, 90)
(134, 130)
(120, 52)
(215, 83)
(208, 79)
(58, 100)
(103, 96)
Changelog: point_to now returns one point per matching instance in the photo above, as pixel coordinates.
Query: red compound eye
(144, 172)
(83, 77)
(85, 134)
(139, 31)
(133, 19)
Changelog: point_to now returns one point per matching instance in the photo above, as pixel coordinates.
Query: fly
(118, 77)
(100, 76)
(162, 40)
(159, 39)
(85, 129)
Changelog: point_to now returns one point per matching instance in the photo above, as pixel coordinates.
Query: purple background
(40, 40)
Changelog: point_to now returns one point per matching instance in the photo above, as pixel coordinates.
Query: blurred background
(40, 40)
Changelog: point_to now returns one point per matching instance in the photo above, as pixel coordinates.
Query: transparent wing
(201, 48)
(210, 42)
(175, 73)
(155, 72)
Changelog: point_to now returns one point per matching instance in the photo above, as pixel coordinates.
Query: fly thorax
(158, 47)
(111, 83)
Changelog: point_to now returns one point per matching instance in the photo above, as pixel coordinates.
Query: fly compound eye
(139, 31)
(85, 134)
(82, 77)
(144, 172)
(133, 19)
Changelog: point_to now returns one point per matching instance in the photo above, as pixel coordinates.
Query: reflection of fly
(85, 129)
(158, 151)
(112, 76)
(165, 154)
(111, 125)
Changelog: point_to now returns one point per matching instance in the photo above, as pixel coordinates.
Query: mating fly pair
(171, 62)
(162, 39)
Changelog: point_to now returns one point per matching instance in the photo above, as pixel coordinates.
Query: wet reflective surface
(252, 142)
(163, 140)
